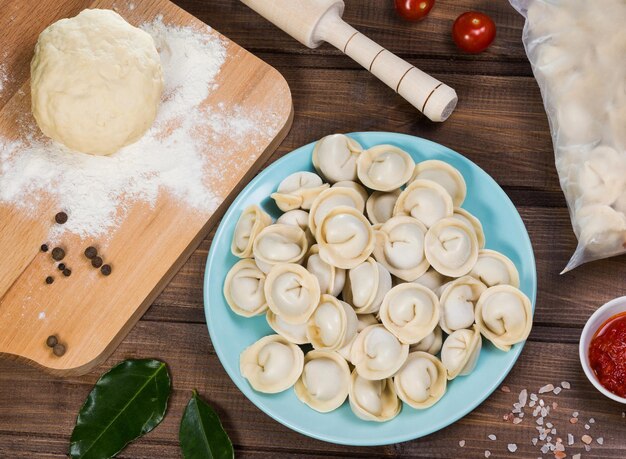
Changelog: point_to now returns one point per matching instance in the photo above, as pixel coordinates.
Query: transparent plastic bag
(577, 50)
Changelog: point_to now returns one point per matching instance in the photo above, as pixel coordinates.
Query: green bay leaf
(127, 402)
(201, 433)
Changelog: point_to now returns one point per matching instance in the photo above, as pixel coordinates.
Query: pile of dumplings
(371, 282)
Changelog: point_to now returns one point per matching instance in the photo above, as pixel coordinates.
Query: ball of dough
(96, 82)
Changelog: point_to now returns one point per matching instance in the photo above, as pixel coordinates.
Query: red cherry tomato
(414, 10)
(473, 32)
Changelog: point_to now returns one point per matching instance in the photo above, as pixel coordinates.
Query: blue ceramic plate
(231, 334)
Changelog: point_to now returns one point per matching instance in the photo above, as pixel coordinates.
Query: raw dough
(96, 82)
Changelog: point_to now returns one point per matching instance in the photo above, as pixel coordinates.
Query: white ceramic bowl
(596, 320)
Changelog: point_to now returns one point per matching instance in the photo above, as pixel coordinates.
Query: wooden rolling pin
(312, 22)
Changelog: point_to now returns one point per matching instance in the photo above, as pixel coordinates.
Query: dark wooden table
(500, 124)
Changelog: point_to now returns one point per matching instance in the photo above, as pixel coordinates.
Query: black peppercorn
(61, 266)
(96, 262)
(44, 247)
(58, 350)
(52, 341)
(49, 280)
(60, 218)
(67, 272)
(91, 252)
(106, 269)
(58, 253)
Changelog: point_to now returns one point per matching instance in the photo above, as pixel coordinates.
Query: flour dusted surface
(171, 158)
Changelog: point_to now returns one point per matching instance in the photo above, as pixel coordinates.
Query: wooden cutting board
(91, 313)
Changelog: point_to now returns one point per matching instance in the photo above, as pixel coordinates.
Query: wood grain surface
(499, 123)
(89, 313)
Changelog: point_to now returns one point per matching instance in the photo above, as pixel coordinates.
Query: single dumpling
(460, 352)
(445, 175)
(451, 247)
(332, 325)
(279, 243)
(243, 289)
(353, 186)
(292, 292)
(299, 218)
(272, 364)
(421, 382)
(380, 206)
(373, 400)
(334, 157)
(298, 191)
(464, 216)
(366, 286)
(345, 237)
(384, 167)
(331, 278)
(493, 268)
(363, 321)
(425, 200)
(330, 199)
(377, 353)
(431, 343)
(325, 381)
(294, 333)
(458, 303)
(433, 280)
(504, 316)
(410, 312)
(252, 220)
(399, 247)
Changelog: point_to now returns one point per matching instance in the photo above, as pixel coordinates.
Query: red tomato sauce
(607, 354)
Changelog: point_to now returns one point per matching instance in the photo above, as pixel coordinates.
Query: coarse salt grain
(523, 397)
(517, 420)
(586, 439)
(587, 448)
(556, 391)
(575, 414)
(461, 443)
(591, 420)
(560, 455)
(546, 388)
(506, 389)
(600, 440)
(487, 453)
(587, 426)
(573, 420)
(492, 437)
(512, 447)
(534, 441)
(565, 385)
(576, 456)
(570, 439)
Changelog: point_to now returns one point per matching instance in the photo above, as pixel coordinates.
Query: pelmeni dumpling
(451, 247)
(294, 333)
(600, 230)
(279, 243)
(252, 220)
(384, 167)
(325, 381)
(332, 325)
(330, 199)
(425, 200)
(272, 364)
(298, 191)
(493, 268)
(445, 175)
(458, 302)
(380, 205)
(345, 237)
(460, 351)
(331, 278)
(433, 280)
(363, 321)
(400, 247)
(299, 218)
(421, 382)
(353, 186)
(334, 157)
(366, 286)
(377, 354)
(431, 343)
(504, 316)
(410, 312)
(243, 289)
(464, 216)
(373, 400)
(291, 292)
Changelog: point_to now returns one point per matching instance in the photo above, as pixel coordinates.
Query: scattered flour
(177, 155)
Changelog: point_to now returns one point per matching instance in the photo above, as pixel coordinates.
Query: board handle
(430, 96)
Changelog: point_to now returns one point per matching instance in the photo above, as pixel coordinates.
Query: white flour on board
(96, 191)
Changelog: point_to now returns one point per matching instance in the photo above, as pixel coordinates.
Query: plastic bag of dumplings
(577, 49)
